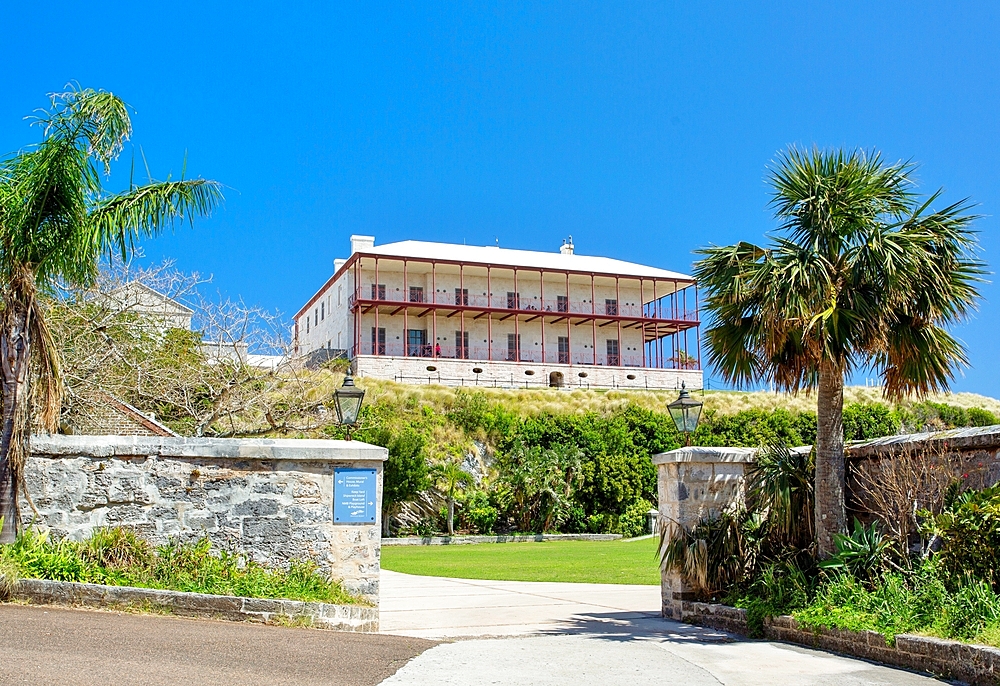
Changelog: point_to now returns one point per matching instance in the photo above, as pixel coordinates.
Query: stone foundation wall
(269, 499)
(451, 372)
(972, 664)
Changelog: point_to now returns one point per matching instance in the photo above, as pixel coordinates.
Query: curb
(469, 540)
(965, 662)
(321, 615)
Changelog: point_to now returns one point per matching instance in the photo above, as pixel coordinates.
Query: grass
(118, 557)
(594, 562)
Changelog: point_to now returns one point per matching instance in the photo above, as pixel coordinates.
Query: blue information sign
(354, 498)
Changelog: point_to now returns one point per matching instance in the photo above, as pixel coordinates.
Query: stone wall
(967, 663)
(451, 372)
(695, 483)
(269, 499)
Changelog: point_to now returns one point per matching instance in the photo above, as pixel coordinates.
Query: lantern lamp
(685, 411)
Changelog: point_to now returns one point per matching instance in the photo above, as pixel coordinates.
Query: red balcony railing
(523, 304)
(503, 354)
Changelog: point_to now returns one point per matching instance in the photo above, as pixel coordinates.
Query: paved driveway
(587, 634)
(47, 645)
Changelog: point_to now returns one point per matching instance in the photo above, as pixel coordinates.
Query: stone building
(424, 312)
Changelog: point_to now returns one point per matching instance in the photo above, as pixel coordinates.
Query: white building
(423, 312)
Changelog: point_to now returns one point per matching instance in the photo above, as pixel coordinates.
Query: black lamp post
(685, 411)
(347, 400)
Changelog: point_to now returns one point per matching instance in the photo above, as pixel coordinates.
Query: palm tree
(56, 223)
(452, 479)
(862, 273)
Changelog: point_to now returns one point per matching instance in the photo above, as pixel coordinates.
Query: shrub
(863, 554)
(480, 514)
(119, 557)
(864, 421)
(635, 521)
(968, 529)
(980, 417)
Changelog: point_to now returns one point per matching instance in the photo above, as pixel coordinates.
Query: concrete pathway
(588, 635)
(440, 608)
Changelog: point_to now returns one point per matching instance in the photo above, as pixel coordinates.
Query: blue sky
(644, 130)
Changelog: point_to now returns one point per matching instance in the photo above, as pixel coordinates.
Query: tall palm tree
(862, 273)
(56, 223)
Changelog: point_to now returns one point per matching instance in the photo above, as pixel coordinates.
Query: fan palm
(56, 223)
(862, 273)
(452, 479)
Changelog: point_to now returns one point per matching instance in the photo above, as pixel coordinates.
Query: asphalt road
(46, 645)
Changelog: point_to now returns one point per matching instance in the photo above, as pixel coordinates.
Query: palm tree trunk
(830, 515)
(14, 352)
(451, 515)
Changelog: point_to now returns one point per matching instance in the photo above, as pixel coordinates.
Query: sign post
(355, 498)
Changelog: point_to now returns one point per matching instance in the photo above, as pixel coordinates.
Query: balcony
(393, 301)
(504, 354)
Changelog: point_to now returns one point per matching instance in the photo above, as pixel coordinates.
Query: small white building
(423, 312)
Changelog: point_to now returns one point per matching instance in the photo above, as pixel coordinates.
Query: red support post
(406, 313)
(378, 306)
(593, 319)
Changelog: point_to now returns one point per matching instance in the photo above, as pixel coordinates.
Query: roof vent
(338, 263)
(360, 243)
(567, 247)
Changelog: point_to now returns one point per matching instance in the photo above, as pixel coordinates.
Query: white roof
(520, 258)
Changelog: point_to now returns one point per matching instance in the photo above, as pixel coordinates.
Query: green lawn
(594, 562)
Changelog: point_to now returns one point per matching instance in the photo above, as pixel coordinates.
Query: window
(611, 306)
(513, 300)
(416, 343)
(462, 345)
(614, 360)
(378, 291)
(562, 303)
(378, 341)
(461, 296)
(340, 294)
(513, 347)
(322, 311)
(307, 324)
(564, 350)
(316, 315)
(416, 294)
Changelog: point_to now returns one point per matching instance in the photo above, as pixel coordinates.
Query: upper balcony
(526, 308)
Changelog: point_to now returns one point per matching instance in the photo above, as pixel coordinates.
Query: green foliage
(754, 428)
(968, 528)
(480, 514)
(864, 421)
(536, 485)
(780, 488)
(863, 554)
(918, 601)
(406, 471)
(121, 558)
(635, 521)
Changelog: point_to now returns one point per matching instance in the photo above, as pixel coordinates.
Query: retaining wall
(973, 664)
(269, 499)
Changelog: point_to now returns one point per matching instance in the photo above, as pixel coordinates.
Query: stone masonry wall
(271, 500)
(694, 483)
(513, 374)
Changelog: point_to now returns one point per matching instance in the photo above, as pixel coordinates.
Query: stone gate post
(694, 483)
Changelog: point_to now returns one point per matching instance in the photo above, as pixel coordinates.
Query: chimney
(338, 263)
(359, 243)
(567, 247)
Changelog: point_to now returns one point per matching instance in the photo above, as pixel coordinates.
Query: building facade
(422, 312)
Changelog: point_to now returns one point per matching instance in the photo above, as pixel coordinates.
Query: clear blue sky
(641, 129)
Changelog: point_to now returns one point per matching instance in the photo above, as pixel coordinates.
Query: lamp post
(685, 411)
(347, 401)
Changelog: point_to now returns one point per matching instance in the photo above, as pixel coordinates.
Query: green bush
(635, 521)
(864, 553)
(968, 529)
(480, 514)
(119, 557)
(864, 421)
(979, 417)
